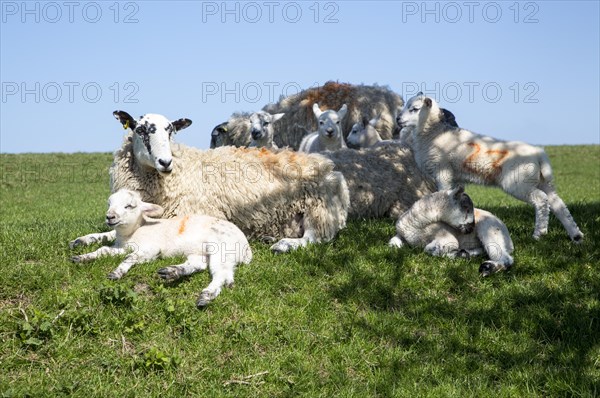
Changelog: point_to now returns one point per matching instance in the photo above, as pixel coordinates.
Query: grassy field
(348, 318)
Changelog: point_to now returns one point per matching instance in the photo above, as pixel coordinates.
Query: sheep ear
(373, 122)
(457, 192)
(125, 119)
(449, 117)
(151, 210)
(181, 124)
(342, 111)
(419, 94)
(277, 116)
(317, 110)
(219, 129)
(427, 102)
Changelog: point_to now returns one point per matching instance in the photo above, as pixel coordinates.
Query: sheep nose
(255, 134)
(164, 163)
(110, 217)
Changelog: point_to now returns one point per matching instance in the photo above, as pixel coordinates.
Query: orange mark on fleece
(487, 164)
(476, 214)
(329, 95)
(182, 225)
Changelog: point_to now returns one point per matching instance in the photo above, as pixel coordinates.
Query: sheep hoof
(76, 259)
(395, 242)
(268, 239)
(205, 298)
(168, 273)
(74, 243)
(490, 267)
(578, 238)
(462, 253)
(281, 247)
(113, 276)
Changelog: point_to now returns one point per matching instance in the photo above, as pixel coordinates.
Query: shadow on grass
(540, 321)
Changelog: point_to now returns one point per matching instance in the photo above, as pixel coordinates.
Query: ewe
(205, 242)
(445, 223)
(276, 195)
(329, 135)
(452, 155)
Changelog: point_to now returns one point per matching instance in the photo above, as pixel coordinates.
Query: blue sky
(524, 71)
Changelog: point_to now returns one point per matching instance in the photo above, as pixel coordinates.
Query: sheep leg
(561, 212)
(192, 265)
(87, 240)
(444, 245)
(222, 274)
(131, 259)
(491, 267)
(396, 242)
(289, 244)
(539, 200)
(103, 251)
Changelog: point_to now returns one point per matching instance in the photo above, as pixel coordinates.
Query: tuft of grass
(347, 318)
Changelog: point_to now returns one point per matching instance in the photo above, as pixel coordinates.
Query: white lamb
(205, 241)
(452, 155)
(289, 195)
(446, 224)
(365, 135)
(329, 135)
(261, 129)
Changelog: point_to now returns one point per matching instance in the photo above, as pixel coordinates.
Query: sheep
(406, 118)
(362, 101)
(295, 197)
(384, 181)
(205, 242)
(452, 155)
(235, 131)
(262, 130)
(329, 135)
(446, 224)
(365, 135)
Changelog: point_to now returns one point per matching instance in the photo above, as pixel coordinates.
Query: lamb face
(459, 211)
(355, 138)
(330, 122)
(409, 115)
(126, 210)
(261, 127)
(152, 138)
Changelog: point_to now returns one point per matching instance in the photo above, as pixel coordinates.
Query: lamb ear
(317, 110)
(457, 192)
(277, 116)
(181, 124)
(125, 119)
(342, 112)
(151, 210)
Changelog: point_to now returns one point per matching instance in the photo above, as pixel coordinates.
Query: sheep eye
(338, 122)
(321, 122)
(265, 124)
(129, 207)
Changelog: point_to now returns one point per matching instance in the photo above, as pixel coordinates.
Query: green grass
(347, 318)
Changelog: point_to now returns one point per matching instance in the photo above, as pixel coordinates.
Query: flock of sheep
(294, 172)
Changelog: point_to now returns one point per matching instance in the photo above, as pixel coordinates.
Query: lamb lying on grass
(205, 241)
(446, 224)
(452, 155)
(329, 136)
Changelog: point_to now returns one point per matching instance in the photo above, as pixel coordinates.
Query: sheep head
(152, 138)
